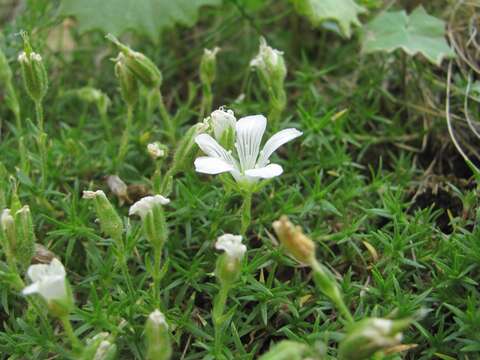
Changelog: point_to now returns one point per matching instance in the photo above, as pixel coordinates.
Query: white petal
(56, 268)
(53, 288)
(275, 142)
(249, 130)
(146, 204)
(37, 272)
(157, 318)
(30, 289)
(212, 165)
(266, 172)
(232, 245)
(212, 148)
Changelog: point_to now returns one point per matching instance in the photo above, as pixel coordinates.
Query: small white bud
(155, 150)
(146, 204)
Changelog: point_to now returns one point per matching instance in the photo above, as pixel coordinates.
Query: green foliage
(343, 12)
(146, 17)
(416, 33)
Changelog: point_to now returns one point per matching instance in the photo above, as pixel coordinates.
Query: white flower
(87, 194)
(48, 281)
(146, 204)
(211, 53)
(158, 319)
(267, 58)
(232, 245)
(6, 219)
(23, 57)
(155, 151)
(247, 163)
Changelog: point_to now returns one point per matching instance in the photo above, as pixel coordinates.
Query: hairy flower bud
(157, 338)
(127, 80)
(150, 209)
(25, 237)
(110, 222)
(295, 242)
(208, 65)
(141, 66)
(183, 153)
(286, 350)
(270, 63)
(9, 235)
(229, 264)
(369, 336)
(157, 150)
(33, 72)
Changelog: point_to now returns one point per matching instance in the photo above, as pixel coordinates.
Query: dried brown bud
(118, 188)
(296, 243)
(42, 255)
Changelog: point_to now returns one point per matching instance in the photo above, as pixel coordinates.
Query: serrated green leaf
(343, 12)
(417, 33)
(145, 17)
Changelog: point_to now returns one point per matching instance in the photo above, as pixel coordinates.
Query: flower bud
(223, 123)
(141, 66)
(127, 80)
(33, 71)
(295, 242)
(270, 63)
(100, 347)
(110, 222)
(229, 264)
(369, 336)
(157, 150)
(25, 237)
(150, 209)
(183, 152)
(94, 96)
(157, 338)
(9, 234)
(286, 350)
(49, 281)
(208, 65)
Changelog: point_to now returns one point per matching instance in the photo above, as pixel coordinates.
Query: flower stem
(74, 341)
(42, 145)
(170, 128)
(218, 320)
(122, 152)
(329, 287)
(246, 212)
(207, 100)
(157, 258)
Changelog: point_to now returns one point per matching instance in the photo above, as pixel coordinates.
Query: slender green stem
(67, 326)
(124, 142)
(157, 258)
(123, 264)
(170, 127)
(218, 320)
(104, 119)
(207, 100)
(42, 143)
(329, 287)
(246, 212)
(39, 115)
